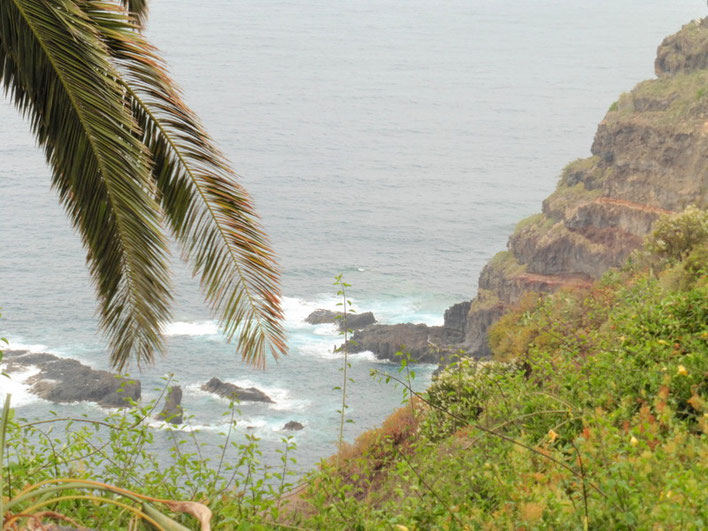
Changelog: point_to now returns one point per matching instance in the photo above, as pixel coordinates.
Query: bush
(675, 235)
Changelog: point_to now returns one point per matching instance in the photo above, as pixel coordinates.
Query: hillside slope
(592, 415)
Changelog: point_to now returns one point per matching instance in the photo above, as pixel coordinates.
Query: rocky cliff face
(649, 157)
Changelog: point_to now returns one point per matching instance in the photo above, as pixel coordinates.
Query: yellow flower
(681, 371)
(552, 435)
(633, 441)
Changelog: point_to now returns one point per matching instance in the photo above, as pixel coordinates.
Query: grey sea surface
(396, 142)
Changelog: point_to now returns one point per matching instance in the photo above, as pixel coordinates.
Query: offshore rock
(293, 426)
(66, 380)
(234, 392)
(353, 321)
(172, 411)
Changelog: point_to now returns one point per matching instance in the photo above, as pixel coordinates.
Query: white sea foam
(279, 395)
(364, 356)
(16, 386)
(258, 425)
(329, 330)
(296, 310)
(188, 428)
(192, 328)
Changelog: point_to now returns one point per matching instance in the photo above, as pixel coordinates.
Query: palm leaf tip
(129, 159)
(208, 212)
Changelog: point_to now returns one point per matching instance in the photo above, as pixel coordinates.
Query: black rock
(293, 426)
(234, 392)
(424, 344)
(67, 380)
(354, 321)
(172, 412)
(456, 316)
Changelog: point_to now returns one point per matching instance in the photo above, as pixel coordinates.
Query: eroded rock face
(234, 392)
(686, 51)
(353, 321)
(66, 380)
(456, 316)
(650, 157)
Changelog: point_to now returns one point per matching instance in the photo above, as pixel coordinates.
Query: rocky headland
(649, 157)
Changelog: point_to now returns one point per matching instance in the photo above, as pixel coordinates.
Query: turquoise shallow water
(395, 141)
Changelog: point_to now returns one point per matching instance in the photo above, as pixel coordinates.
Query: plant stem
(3, 431)
(343, 293)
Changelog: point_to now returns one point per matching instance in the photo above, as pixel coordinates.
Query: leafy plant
(596, 419)
(345, 304)
(131, 162)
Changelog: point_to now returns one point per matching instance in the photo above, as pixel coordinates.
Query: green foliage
(676, 235)
(133, 166)
(115, 459)
(597, 418)
(345, 304)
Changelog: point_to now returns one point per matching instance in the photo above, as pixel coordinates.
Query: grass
(678, 100)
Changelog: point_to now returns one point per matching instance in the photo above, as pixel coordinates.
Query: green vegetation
(132, 165)
(567, 197)
(104, 474)
(593, 414)
(666, 100)
(505, 261)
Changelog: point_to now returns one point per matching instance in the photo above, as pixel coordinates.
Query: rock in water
(293, 426)
(424, 344)
(354, 321)
(321, 316)
(172, 412)
(66, 380)
(357, 321)
(234, 392)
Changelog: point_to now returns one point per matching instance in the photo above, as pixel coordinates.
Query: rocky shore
(649, 157)
(65, 380)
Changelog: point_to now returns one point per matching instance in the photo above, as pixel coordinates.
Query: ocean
(395, 142)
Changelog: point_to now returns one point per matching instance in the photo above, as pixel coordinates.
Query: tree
(132, 165)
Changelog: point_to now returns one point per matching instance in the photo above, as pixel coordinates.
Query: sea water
(394, 141)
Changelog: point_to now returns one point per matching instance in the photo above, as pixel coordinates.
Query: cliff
(649, 157)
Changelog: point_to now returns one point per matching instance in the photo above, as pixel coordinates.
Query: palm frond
(58, 70)
(137, 9)
(210, 214)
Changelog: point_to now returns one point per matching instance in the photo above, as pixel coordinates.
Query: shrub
(675, 235)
